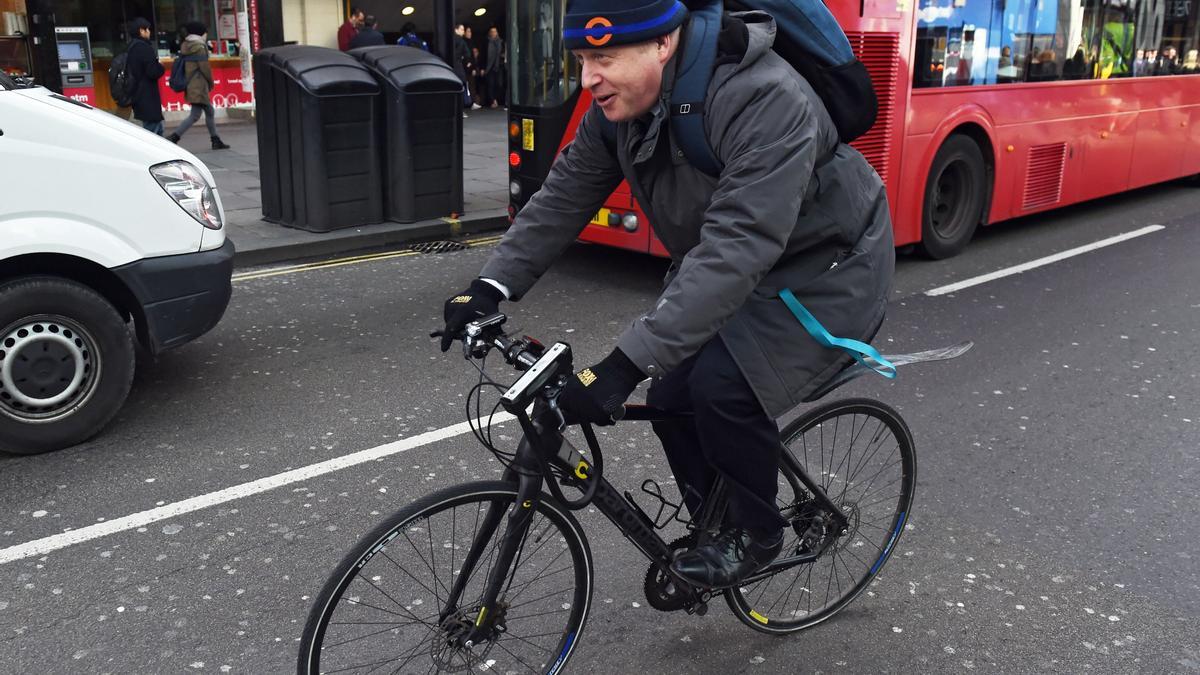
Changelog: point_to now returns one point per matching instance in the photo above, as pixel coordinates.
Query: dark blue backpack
(179, 79)
(808, 38)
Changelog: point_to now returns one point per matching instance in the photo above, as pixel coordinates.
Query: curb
(346, 241)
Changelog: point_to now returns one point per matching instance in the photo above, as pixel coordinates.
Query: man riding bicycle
(793, 208)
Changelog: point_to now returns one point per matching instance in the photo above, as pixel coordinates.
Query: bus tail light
(514, 189)
(630, 222)
(514, 160)
(514, 129)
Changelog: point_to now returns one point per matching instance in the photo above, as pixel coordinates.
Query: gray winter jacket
(793, 208)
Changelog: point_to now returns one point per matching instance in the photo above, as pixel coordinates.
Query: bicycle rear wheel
(381, 609)
(860, 452)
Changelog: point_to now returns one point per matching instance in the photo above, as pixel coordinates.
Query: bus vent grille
(880, 53)
(1044, 175)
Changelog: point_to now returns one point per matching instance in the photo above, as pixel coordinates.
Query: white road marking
(165, 512)
(1025, 267)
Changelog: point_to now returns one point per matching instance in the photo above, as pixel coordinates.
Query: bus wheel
(955, 194)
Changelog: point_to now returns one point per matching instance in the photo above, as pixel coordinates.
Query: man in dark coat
(793, 208)
(145, 70)
(368, 35)
(494, 68)
(461, 63)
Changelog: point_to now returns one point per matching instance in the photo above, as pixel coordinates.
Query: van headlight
(185, 184)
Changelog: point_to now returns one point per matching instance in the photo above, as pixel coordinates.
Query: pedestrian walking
(348, 30)
(368, 35)
(494, 70)
(145, 70)
(197, 71)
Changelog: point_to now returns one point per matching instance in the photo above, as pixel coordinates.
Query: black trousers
(730, 434)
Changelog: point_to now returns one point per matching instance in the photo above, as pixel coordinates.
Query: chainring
(663, 591)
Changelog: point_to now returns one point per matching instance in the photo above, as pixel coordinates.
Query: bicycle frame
(543, 444)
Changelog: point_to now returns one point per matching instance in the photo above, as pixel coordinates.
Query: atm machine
(75, 63)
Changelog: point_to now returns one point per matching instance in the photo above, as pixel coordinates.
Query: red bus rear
(989, 109)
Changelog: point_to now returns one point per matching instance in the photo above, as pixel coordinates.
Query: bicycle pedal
(699, 610)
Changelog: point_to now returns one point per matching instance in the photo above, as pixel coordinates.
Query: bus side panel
(1191, 153)
(881, 34)
(1156, 153)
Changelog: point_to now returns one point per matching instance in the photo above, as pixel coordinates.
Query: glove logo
(461, 299)
(586, 376)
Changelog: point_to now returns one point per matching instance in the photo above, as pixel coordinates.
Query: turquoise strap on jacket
(861, 351)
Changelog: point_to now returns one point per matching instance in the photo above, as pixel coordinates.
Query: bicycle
(451, 591)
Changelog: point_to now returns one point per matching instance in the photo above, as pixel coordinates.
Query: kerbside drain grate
(438, 247)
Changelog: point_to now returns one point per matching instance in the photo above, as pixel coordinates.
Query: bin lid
(409, 70)
(321, 71)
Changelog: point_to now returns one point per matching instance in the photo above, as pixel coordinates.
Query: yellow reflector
(758, 617)
(527, 134)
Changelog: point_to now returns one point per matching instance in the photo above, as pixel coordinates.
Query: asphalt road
(1054, 527)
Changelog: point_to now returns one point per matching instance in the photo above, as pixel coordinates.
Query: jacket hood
(192, 45)
(752, 38)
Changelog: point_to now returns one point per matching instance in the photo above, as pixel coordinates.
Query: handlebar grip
(619, 414)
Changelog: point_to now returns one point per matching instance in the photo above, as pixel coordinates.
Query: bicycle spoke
(433, 566)
(532, 616)
(528, 602)
(519, 659)
(427, 565)
(366, 604)
(537, 577)
(403, 569)
(385, 630)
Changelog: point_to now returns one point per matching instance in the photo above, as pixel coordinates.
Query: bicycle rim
(379, 611)
(861, 453)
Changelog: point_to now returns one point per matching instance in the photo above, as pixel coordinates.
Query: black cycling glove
(597, 394)
(479, 300)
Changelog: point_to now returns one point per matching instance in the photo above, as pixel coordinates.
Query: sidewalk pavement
(258, 242)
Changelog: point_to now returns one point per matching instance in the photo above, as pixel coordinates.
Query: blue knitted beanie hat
(605, 23)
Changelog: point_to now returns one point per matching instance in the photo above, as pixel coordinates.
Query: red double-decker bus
(988, 109)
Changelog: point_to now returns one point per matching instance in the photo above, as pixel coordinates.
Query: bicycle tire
(826, 425)
(419, 517)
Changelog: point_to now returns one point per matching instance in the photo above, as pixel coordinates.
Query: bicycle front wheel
(860, 452)
(386, 607)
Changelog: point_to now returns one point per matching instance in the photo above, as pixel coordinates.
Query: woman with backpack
(197, 74)
(140, 76)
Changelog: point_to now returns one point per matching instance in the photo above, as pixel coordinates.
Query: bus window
(542, 73)
(976, 42)
(1168, 38)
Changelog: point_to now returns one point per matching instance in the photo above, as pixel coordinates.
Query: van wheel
(66, 364)
(955, 194)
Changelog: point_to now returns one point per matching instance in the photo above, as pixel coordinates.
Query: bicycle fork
(520, 516)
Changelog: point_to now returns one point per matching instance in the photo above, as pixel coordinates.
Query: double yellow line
(352, 260)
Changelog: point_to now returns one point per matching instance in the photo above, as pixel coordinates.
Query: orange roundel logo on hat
(603, 22)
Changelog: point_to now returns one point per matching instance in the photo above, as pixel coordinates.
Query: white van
(104, 227)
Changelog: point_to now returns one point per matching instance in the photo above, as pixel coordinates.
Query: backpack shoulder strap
(698, 53)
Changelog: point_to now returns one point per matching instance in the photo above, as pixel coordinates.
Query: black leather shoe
(733, 555)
